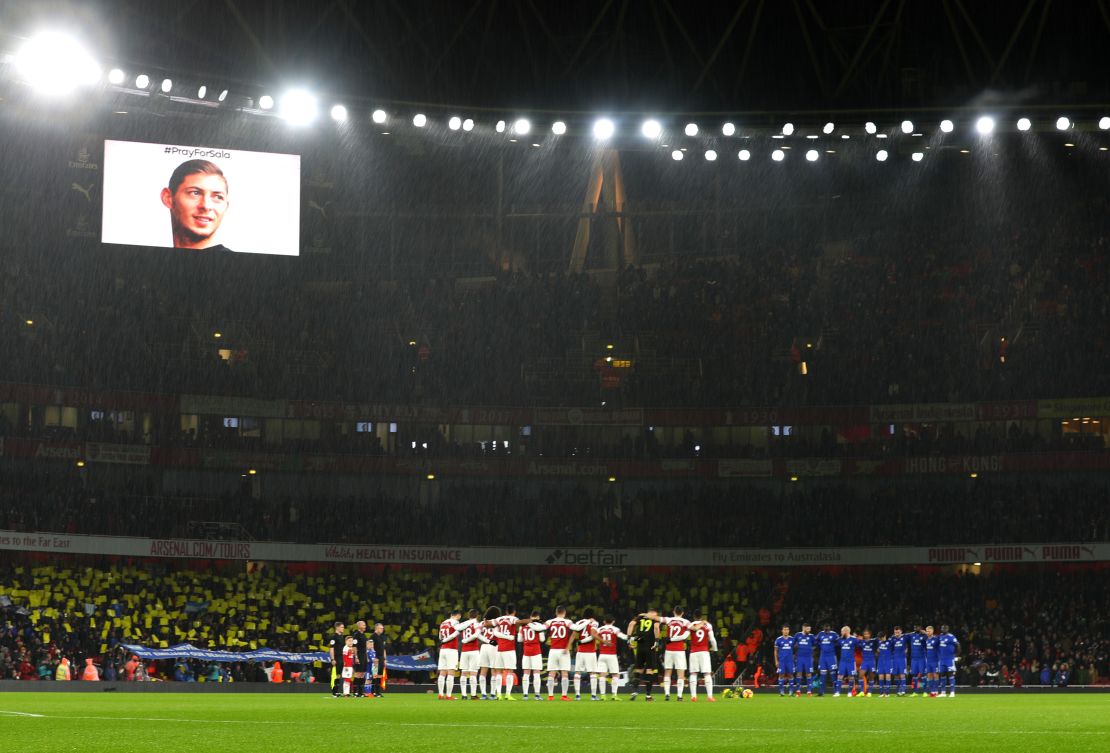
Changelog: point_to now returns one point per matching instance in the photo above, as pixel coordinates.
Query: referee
(359, 634)
(336, 642)
(378, 641)
(643, 633)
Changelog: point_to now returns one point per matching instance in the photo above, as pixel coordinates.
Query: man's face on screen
(196, 209)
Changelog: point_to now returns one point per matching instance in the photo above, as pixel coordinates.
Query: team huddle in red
(483, 651)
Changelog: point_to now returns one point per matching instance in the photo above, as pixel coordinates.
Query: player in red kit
(674, 658)
(585, 662)
(348, 673)
(470, 640)
(449, 631)
(607, 664)
(559, 630)
(702, 640)
(531, 638)
(504, 630)
(487, 654)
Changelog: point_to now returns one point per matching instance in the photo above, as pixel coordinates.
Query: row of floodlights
(56, 64)
(778, 155)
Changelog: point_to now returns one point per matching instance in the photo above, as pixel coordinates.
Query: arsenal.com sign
(563, 556)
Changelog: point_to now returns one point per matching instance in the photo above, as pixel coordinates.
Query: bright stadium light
(985, 125)
(778, 155)
(223, 96)
(651, 129)
(787, 129)
(420, 120)
(710, 156)
(339, 113)
(1104, 123)
(265, 102)
(298, 107)
(829, 128)
(1024, 124)
(604, 129)
(468, 125)
(378, 116)
(812, 155)
(691, 129)
(500, 128)
(917, 156)
(881, 155)
(870, 127)
(744, 155)
(55, 64)
(142, 81)
(522, 126)
(728, 129)
(677, 155)
(455, 123)
(1062, 123)
(115, 77)
(202, 92)
(947, 126)
(167, 85)
(907, 126)
(558, 128)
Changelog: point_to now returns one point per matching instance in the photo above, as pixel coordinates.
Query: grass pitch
(306, 723)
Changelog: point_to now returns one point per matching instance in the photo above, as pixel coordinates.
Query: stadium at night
(429, 373)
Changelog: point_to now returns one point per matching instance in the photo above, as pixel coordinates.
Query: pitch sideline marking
(21, 713)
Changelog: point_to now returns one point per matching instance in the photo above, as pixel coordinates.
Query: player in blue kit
(917, 658)
(847, 645)
(784, 660)
(803, 659)
(826, 656)
(885, 663)
(868, 647)
(947, 649)
(899, 645)
(931, 658)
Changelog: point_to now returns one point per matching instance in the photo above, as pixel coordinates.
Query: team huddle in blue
(926, 658)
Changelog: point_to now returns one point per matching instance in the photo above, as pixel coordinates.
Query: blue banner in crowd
(418, 663)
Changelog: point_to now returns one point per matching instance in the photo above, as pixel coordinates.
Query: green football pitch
(305, 723)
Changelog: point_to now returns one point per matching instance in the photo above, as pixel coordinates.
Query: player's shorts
(348, 673)
(886, 667)
(532, 663)
(558, 660)
(826, 664)
(448, 658)
(647, 658)
(505, 660)
(607, 664)
(931, 666)
(674, 660)
(867, 666)
(945, 666)
(803, 665)
(848, 670)
(700, 663)
(585, 662)
(468, 661)
(487, 656)
(786, 664)
(917, 666)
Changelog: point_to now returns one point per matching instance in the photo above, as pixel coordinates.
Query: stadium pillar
(604, 197)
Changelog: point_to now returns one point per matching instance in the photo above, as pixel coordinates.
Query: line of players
(484, 650)
(924, 656)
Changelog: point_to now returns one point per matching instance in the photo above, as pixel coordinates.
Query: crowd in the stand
(809, 513)
(1012, 624)
(908, 313)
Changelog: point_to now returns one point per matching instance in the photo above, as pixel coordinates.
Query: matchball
(747, 693)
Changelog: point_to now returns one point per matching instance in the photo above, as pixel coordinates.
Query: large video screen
(201, 198)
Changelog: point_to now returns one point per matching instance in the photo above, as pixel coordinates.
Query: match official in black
(359, 634)
(380, 644)
(336, 642)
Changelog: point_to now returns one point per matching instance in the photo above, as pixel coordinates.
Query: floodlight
(265, 102)
(420, 120)
(378, 116)
(500, 126)
(691, 129)
(677, 155)
(984, 125)
(468, 125)
(710, 156)
(917, 156)
(812, 155)
(455, 123)
(1062, 123)
(870, 127)
(744, 155)
(651, 129)
(947, 126)
(297, 107)
(115, 77)
(339, 113)
(881, 155)
(522, 126)
(778, 155)
(558, 128)
(1024, 124)
(829, 128)
(55, 64)
(202, 92)
(728, 129)
(142, 81)
(604, 129)
(223, 96)
(907, 126)
(787, 129)
(1104, 123)
(167, 86)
